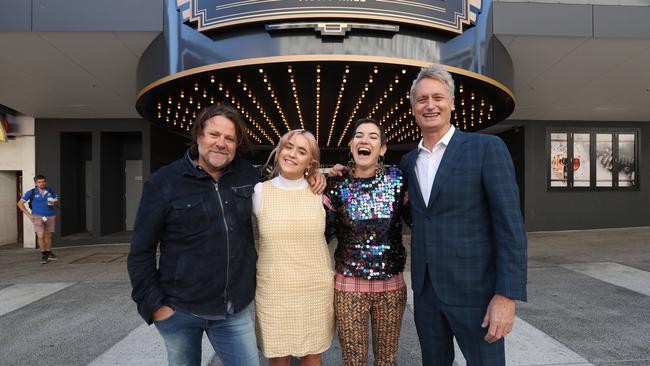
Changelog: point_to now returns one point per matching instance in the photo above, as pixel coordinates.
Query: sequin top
(367, 223)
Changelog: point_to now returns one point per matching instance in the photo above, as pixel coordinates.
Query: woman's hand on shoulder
(317, 182)
(328, 203)
(338, 170)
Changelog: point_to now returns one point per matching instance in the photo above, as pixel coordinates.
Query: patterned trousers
(385, 309)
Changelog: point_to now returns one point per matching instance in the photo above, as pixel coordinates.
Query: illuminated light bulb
(289, 70)
(261, 71)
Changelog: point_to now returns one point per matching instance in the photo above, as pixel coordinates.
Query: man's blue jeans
(233, 339)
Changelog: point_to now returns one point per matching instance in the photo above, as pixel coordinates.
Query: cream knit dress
(294, 299)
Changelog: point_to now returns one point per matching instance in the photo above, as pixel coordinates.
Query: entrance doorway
(76, 185)
(10, 215)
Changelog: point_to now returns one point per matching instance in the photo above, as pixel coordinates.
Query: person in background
(366, 205)
(41, 201)
(294, 296)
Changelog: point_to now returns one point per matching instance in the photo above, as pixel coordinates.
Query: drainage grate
(102, 258)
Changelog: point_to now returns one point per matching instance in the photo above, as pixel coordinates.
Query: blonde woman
(295, 277)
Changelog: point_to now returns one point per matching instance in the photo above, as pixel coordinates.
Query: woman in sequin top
(365, 206)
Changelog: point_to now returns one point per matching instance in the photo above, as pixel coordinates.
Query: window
(593, 160)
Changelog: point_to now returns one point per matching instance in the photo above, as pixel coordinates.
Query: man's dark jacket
(207, 252)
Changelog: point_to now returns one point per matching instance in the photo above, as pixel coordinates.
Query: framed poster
(559, 156)
(581, 160)
(592, 160)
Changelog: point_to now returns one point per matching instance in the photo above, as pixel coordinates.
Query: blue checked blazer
(471, 233)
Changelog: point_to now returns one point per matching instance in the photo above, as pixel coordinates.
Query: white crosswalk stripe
(527, 345)
(616, 274)
(144, 346)
(16, 296)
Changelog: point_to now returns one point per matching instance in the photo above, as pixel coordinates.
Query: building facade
(100, 94)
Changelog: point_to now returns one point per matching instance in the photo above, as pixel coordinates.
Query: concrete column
(19, 154)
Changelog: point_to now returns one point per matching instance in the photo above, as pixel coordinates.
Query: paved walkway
(589, 304)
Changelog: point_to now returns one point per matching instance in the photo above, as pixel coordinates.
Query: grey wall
(568, 210)
(571, 20)
(80, 15)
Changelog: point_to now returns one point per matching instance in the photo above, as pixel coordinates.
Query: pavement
(589, 304)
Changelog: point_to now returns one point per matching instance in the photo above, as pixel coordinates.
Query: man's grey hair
(437, 72)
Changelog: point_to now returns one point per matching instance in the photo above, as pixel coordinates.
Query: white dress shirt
(427, 163)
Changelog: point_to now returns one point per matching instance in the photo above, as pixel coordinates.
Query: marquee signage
(448, 15)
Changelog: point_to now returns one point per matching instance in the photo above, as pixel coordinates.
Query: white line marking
(616, 274)
(527, 345)
(144, 346)
(19, 295)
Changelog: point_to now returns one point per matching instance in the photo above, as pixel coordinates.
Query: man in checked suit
(468, 242)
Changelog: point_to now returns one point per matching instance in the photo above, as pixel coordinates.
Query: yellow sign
(3, 133)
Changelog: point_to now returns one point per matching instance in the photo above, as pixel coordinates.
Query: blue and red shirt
(39, 201)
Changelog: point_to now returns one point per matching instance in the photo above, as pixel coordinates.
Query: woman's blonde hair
(271, 165)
